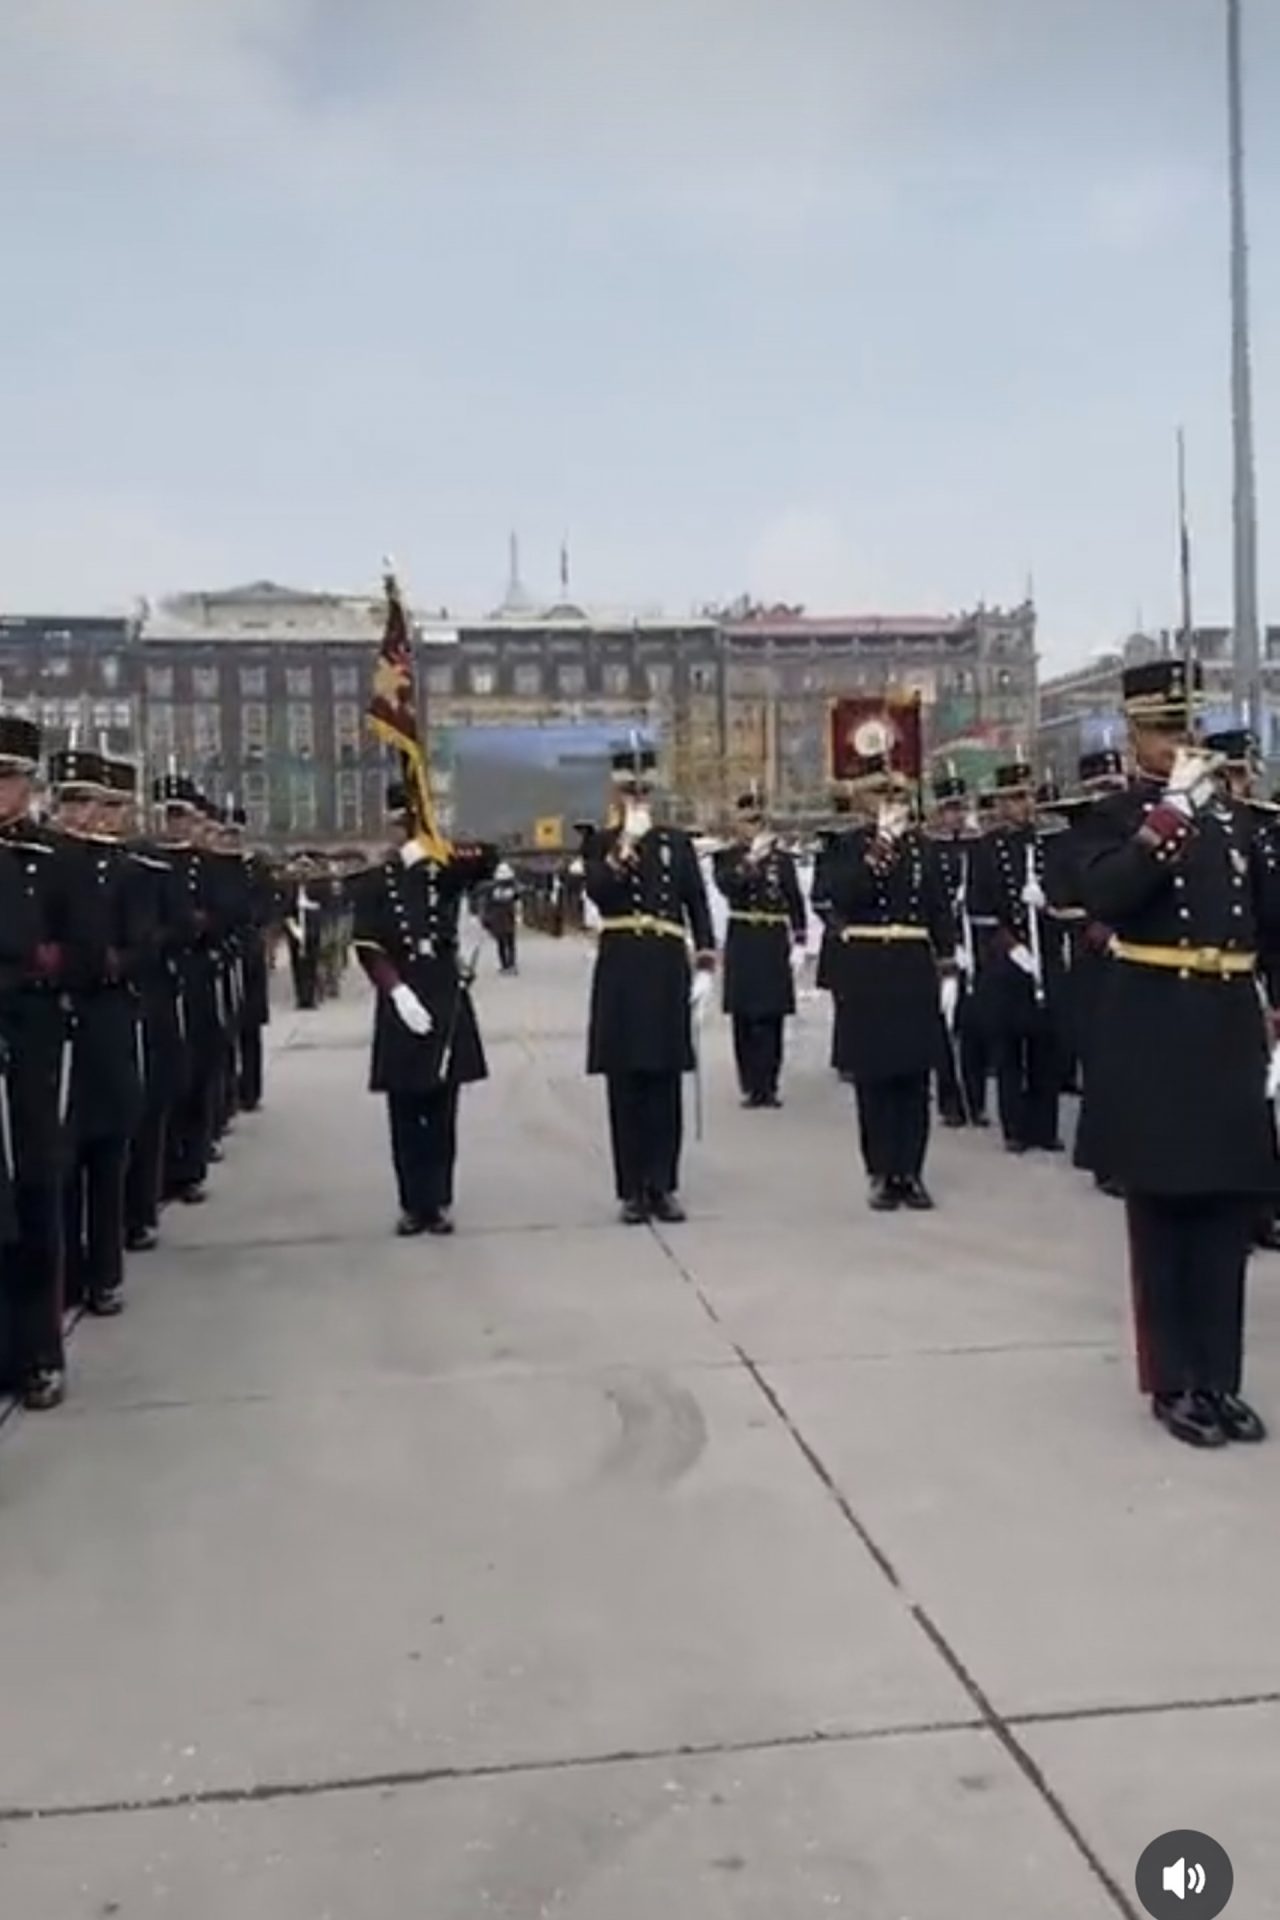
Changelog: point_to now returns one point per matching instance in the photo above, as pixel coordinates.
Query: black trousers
(31, 1285)
(757, 1048)
(970, 1045)
(145, 1172)
(306, 977)
(1188, 1269)
(506, 943)
(94, 1221)
(424, 1148)
(1029, 1085)
(893, 1122)
(191, 1122)
(251, 1068)
(646, 1131)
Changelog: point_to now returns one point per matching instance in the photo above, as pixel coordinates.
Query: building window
(659, 675)
(253, 683)
(702, 678)
(206, 730)
(483, 680)
(528, 679)
(253, 731)
(348, 803)
(255, 789)
(617, 679)
(110, 672)
(59, 668)
(302, 803)
(160, 736)
(346, 682)
(101, 718)
(160, 683)
(204, 683)
(121, 714)
(298, 682)
(440, 679)
(346, 730)
(572, 677)
(302, 739)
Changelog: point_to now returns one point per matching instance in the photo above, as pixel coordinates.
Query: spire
(564, 566)
(516, 598)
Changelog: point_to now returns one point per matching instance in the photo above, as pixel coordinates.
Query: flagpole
(1247, 650)
(1184, 567)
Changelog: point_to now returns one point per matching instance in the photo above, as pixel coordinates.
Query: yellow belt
(1212, 962)
(885, 933)
(643, 923)
(1068, 913)
(746, 918)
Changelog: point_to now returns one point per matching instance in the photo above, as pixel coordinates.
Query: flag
(393, 717)
(899, 718)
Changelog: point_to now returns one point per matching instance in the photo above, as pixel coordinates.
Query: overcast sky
(874, 304)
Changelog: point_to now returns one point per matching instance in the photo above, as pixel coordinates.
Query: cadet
(645, 883)
(164, 1048)
(764, 946)
(962, 1070)
(499, 906)
(1177, 1081)
(426, 1042)
(189, 1141)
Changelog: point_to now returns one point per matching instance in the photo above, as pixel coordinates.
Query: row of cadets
(426, 1039)
(765, 946)
(645, 883)
(890, 914)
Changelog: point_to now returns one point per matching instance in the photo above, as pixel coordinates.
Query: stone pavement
(795, 1561)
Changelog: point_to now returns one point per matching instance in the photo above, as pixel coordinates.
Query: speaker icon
(1182, 1879)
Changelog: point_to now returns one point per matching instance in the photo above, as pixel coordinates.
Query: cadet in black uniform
(499, 907)
(106, 1064)
(764, 944)
(892, 914)
(827, 972)
(962, 1069)
(646, 884)
(196, 961)
(163, 1050)
(426, 1042)
(37, 923)
(264, 915)
(1177, 1083)
(1022, 974)
(303, 911)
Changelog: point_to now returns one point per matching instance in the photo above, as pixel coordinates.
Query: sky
(874, 305)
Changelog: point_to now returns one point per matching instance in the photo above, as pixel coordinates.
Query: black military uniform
(500, 906)
(647, 888)
(767, 922)
(827, 972)
(164, 1048)
(255, 1013)
(406, 938)
(962, 1068)
(38, 923)
(1177, 1072)
(198, 963)
(892, 914)
(304, 910)
(1019, 1002)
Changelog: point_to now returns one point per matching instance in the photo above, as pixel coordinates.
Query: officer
(106, 1074)
(827, 972)
(38, 918)
(1177, 1082)
(1021, 979)
(426, 1041)
(264, 914)
(962, 1070)
(304, 912)
(765, 946)
(196, 956)
(500, 903)
(892, 915)
(645, 883)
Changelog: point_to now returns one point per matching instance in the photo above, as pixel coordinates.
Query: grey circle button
(1184, 1874)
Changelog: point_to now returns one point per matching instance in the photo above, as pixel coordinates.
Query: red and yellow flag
(393, 717)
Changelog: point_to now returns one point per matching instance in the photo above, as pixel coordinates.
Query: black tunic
(406, 933)
(640, 1020)
(1175, 1094)
(1009, 1004)
(164, 1051)
(38, 946)
(766, 917)
(107, 1077)
(888, 989)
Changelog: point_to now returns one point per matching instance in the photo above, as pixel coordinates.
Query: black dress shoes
(883, 1197)
(409, 1225)
(142, 1240)
(953, 1120)
(1190, 1417)
(44, 1389)
(107, 1304)
(666, 1208)
(634, 1213)
(192, 1194)
(440, 1223)
(1016, 1146)
(915, 1196)
(1237, 1418)
(771, 1100)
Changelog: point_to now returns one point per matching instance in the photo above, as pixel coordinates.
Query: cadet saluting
(645, 882)
(764, 944)
(426, 1042)
(1177, 1084)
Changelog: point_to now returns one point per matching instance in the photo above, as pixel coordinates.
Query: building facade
(78, 677)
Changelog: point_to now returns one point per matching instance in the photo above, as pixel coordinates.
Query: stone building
(78, 676)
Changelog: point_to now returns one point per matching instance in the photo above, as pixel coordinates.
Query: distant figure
(499, 906)
(764, 941)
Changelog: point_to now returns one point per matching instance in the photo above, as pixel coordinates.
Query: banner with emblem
(393, 716)
(862, 728)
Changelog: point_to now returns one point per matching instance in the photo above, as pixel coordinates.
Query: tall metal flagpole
(1247, 648)
(1185, 615)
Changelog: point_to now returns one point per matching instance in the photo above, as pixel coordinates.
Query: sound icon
(1182, 1879)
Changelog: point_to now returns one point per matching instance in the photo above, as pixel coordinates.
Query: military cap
(1159, 693)
(1014, 777)
(19, 744)
(1236, 745)
(78, 768)
(1104, 764)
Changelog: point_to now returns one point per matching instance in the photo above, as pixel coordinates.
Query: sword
(466, 975)
(697, 1086)
(6, 1131)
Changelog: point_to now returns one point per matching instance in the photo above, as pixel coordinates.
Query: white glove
(949, 998)
(1033, 896)
(1273, 1074)
(411, 852)
(411, 1010)
(700, 991)
(1023, 957)
(963, 961)
(1191, 785)
(761, 845)
(799, 957)
(637, 822)
(893, 821)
